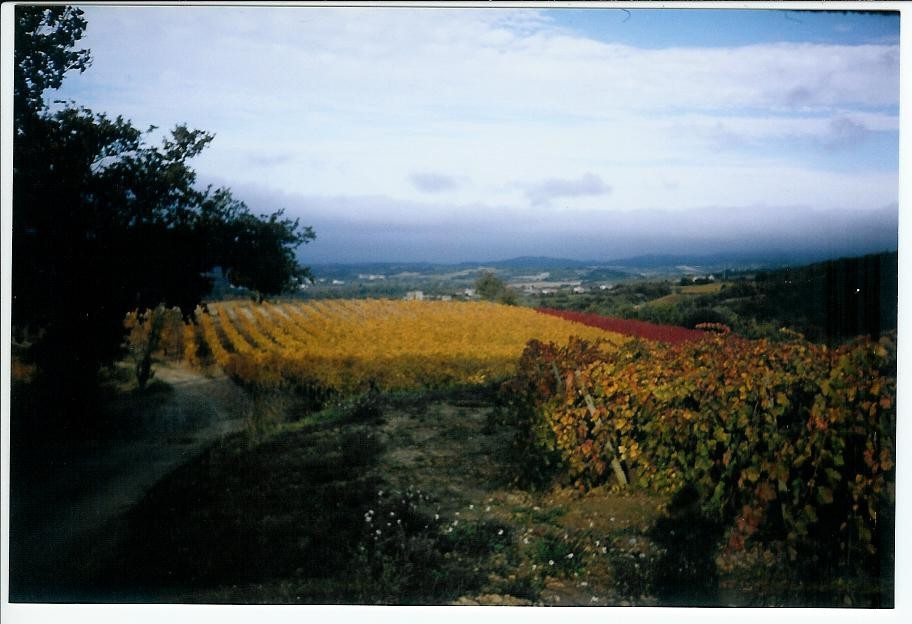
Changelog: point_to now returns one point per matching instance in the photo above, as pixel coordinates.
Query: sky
(447, 135)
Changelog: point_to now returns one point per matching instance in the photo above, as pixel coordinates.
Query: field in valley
(471, 453)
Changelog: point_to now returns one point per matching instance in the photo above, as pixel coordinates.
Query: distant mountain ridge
(644, 262)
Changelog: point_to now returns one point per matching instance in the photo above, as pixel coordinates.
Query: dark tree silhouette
(105, 222)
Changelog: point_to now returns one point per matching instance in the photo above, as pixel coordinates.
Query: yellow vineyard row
(348, 345)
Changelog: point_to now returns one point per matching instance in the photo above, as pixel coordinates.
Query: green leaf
(834, 475)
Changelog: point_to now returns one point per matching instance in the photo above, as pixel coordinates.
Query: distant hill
(715, 261)
(656, 265)
(836, 298)
(538, 262)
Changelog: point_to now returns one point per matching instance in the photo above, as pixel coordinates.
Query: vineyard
(788, 445)
(353, 345)
(628, 327)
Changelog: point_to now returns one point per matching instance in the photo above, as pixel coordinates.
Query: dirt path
(62, 498)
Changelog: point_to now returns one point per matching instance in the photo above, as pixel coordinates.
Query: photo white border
(16, 613)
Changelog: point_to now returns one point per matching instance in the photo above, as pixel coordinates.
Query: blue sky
(460, 134)
(663, 28)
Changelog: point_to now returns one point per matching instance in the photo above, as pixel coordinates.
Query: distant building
(414, 295)
(446, 298)
(470, 293)
(337, 283)
(578, 290)
(547, 291)
(606, 287)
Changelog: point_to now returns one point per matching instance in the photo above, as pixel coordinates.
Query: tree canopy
(105, 220)
(492, 288)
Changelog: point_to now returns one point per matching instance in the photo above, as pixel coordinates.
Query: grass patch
(701, 289)
(558, 556)
(287, 507)
(481, 538)
(298, 515)
(667, 300)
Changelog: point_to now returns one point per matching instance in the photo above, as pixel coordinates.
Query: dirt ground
(449, 450)
(63, 493)
(412, 500)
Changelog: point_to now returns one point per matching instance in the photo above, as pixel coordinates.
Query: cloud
(844, 132)
(587, 185)
(268, 159)
(433, 182)
(384, 105)
(387, 229)
(376, 62)
(836, 131)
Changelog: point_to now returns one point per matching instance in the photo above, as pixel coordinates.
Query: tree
(255, 252)
(105, 222)
(492, 288)
(44, 52)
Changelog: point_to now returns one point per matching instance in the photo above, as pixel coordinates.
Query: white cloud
(834, 129)
(430, 182)
(588, 185)
(402, 103)
(392, 230)
(361, 61)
